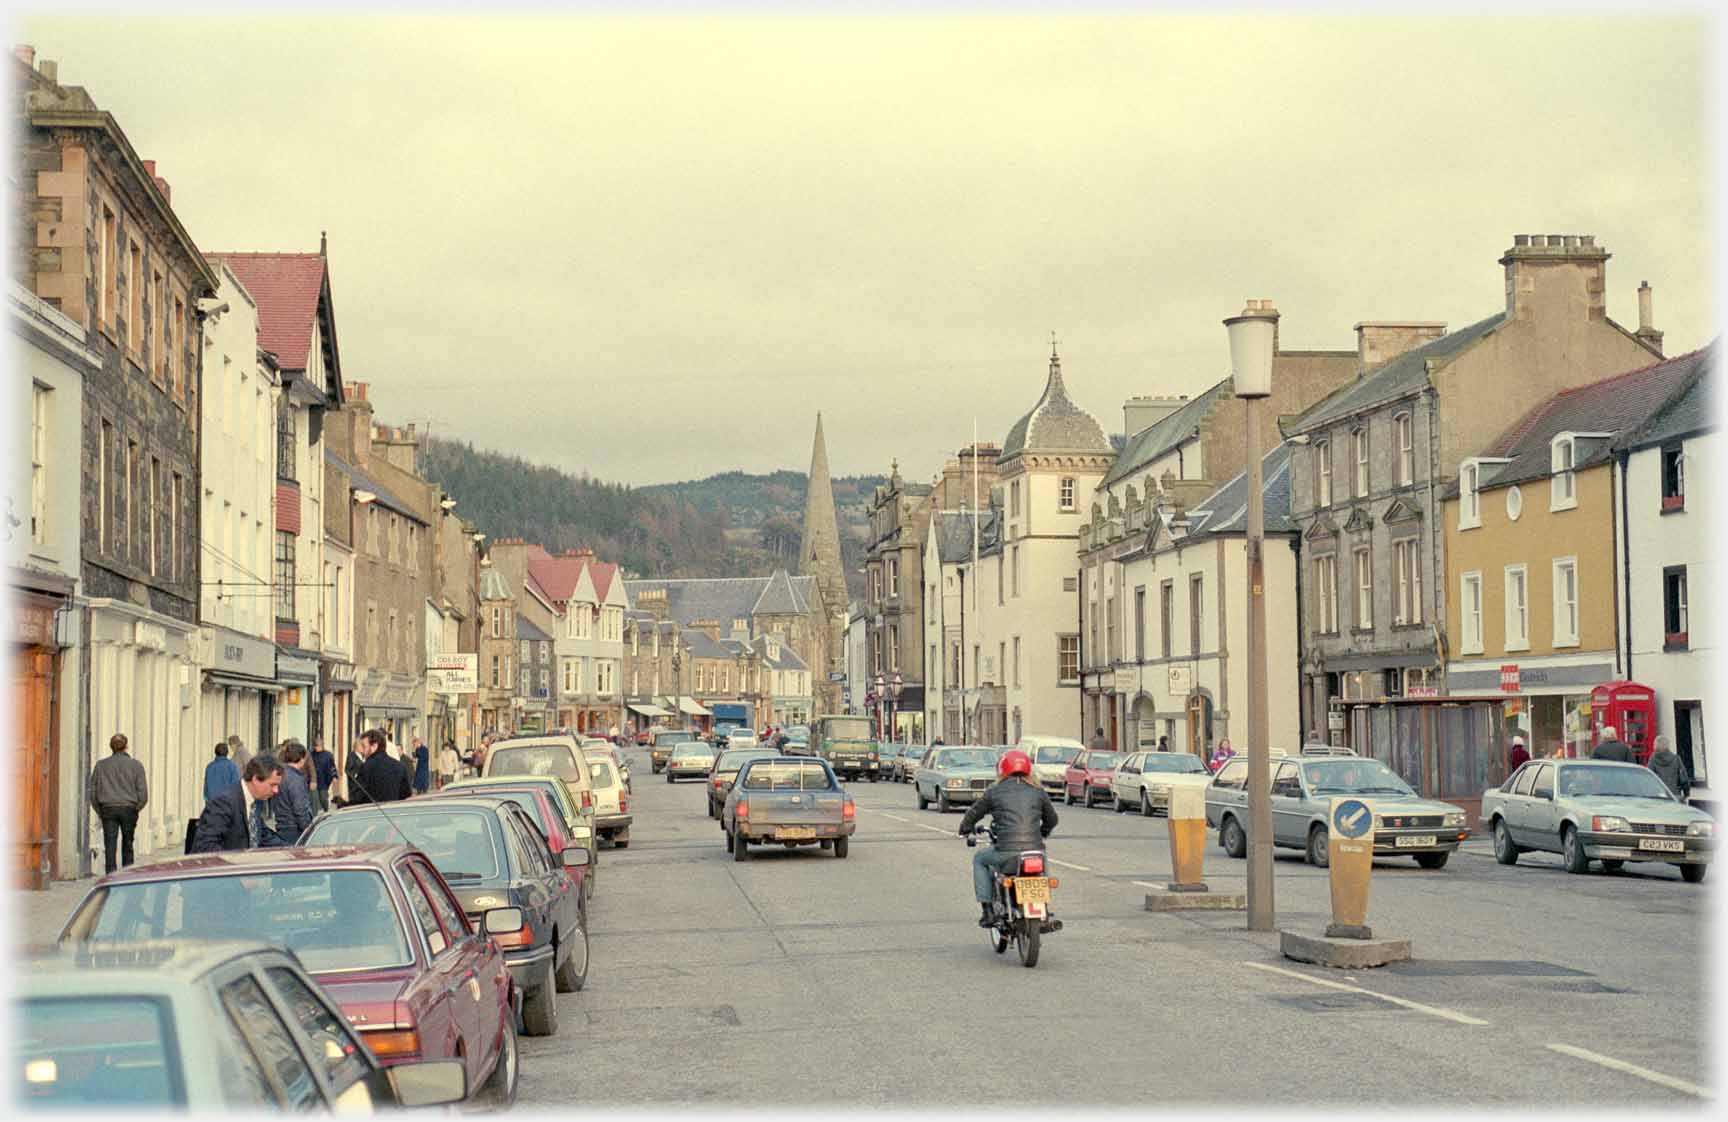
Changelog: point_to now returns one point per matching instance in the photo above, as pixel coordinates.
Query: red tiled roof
(286, 286)
(556, 575)
(601, 574)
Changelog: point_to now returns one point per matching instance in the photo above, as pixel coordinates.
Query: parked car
(787, 801)
(492, 856)
(1051, 756)
(578, 826)
(190, 1026)
(1088, 776)
(911, 755)
(555, 755)
(612, 815)
(1597, 810)
(540, 798)
(375, 926)
(726, 766)
(1144, 779)
(950, 777)
(613, 755)
(1405, 824)
(660, 747)
(689, 759)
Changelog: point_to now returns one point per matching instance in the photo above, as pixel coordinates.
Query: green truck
(848, 745)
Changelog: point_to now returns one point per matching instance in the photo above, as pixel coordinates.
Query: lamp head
(1252, 336)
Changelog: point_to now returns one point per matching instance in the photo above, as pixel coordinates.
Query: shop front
(391, 702)
(1447, 748)
(239, 688)
(37, 719)
(298, 713)
(1545, 700)
(339, 728)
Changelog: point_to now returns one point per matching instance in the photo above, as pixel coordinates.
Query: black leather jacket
(1021, 815)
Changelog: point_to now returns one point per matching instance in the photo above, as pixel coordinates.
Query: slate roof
(285, 287)
(953, 530)
(1692, 411)
(360, 481)
(1149, 444)
(1055, 424)
(1403, 375)
(525, 629)
(493, 586)
(1225, 511)
(777, 597)
(788, 659)
(728, 598)
(1622, 404)
(702, 646)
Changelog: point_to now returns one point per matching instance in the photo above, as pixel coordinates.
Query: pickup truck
(790, 801)
(848, 745)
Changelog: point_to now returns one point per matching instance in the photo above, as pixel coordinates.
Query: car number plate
(1032, 890)
(1666, 845)
(1417, 842)
(794, 832)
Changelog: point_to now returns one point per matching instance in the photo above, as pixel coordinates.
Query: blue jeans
(987, 861)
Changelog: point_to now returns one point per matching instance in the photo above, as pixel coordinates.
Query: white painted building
(950, 624)
(857, 659)
(1667, 567)
(237, 520)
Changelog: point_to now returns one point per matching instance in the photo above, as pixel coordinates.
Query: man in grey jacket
(118, 791)
(1611, 747)
(1670, 768)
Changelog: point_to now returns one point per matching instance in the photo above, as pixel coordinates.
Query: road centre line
(895, 817)
(1145, 884)
(1431, 1010)
(1066, 865)
(1633, 1069)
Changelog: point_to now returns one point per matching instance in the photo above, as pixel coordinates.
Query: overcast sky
(651, 247)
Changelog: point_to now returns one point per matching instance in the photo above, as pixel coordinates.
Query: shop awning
(242, 682)
(690, 707)
(649, 710)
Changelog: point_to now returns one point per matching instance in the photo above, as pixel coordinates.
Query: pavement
(38, 916)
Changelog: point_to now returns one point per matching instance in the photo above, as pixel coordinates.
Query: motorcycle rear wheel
(1026, 941)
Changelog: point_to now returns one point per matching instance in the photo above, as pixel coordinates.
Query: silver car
(1597, 810)
(1143, 780)
(1405, 824)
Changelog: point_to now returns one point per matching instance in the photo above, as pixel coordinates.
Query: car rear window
(95, 1051)
(340, 919)
(691, 748)
(1172, 761)
(552, 760)
(460, 843)
(775, 776)
(601, 773)
(732, 761)
(1050, 755)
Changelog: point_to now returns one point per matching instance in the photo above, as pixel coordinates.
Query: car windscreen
(553, 790)
(70, 1052)
(1353, 775)
(553, 760)
(965, 757)
(1180, 762)
(461, 843)
(774, 775)
(1055, 755)
(1583, 781)
(1105, 761)
(848, 728)
(337, 919)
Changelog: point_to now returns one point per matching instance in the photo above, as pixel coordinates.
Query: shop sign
(32, 624)
(1335, 720)
(1421, 691)
(242, 654)
(1509, 678)
(453, 673)
(151, 635)
(1126, 679)
(1181, 680)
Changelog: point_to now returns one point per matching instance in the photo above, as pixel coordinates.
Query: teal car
(952, 777)
(1597, 810)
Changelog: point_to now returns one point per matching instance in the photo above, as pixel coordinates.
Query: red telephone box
(1631, 709)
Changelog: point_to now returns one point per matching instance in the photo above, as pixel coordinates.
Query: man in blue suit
(293, 803)
(220, 773)
(239, 817)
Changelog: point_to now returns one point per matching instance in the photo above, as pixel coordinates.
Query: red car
(1088, 776)
(375, 926)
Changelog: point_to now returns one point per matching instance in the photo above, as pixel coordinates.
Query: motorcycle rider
(1021, 817)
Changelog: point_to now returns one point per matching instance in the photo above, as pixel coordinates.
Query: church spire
(820, 549)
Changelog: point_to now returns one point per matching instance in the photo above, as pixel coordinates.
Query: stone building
(654, 671)
(498, 652)
(534, 668)
(96, 239)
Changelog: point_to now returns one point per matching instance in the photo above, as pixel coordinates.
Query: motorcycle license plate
(792, 833)
(1665, 845)
(1409, 842)
(1032, 890)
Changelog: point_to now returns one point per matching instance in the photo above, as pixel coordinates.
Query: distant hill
(731, 524)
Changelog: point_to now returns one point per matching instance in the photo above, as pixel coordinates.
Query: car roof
(563, 739)
(252, 861)
(499, 781)
(145, 965)
(1567, 762)
(444, 804)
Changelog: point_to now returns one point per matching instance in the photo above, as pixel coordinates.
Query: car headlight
(1453, 821)
(956, 783)
(1609, 824)
(1701, 830)
(1379, 822)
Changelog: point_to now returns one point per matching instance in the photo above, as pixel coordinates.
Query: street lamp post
(1252, 340)
(894, 693)
(881, 705)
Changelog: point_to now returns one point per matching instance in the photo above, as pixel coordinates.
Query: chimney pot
(1645, 316)
(50, 70)
(150, 167)
(1589, 241)
(25, 53)
(1571, 241)
(1521, 239)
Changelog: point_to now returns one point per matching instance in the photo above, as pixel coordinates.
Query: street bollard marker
(1431, 1010)
(1633, 1069)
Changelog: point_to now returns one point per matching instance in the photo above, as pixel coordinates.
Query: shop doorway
(1689, 739)
(1199, 725)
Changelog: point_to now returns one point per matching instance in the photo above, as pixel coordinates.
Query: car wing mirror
(432, 1083)
(502, 921)
(577, 857)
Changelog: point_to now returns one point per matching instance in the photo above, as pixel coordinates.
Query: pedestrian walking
(448, 764)
(351, 768)
(422, 767)
(380, 779)
(323, 773)
(1221, 754)
(1611, 747)
(1519, 756)
(1098, 742)
(238, 818)
(292, 804)
(118, 791)
(237, 751)
(220, 773)
(1163, 743)
(1670, 768)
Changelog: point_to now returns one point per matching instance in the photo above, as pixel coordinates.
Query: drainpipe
(1080, 626)
(961, 685)
(1437, 532)
(1303, 703)
(1626, 566)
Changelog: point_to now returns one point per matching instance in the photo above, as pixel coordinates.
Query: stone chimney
(1646, 328)
(24, 53)
(709, 627)
(161, 184)
(1556, 275)
(1141, 413)
(1380, 341)
(361, 406)
(398, 446)
(50, 70)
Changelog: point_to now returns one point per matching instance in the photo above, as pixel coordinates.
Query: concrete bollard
(1187, 826)
(1348, 943)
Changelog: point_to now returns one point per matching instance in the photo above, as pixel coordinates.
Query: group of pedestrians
(1663, 761)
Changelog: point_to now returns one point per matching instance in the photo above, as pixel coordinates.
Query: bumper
(528, 967)
(1626, 847)
(961, 794)
(855, 765)
(612, 821)
(1445, 841)
(771, 832)
(683, 771)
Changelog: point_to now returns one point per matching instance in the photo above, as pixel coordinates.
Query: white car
(741, 738)
(611, 803)
(1144, 780)
(1051, 756)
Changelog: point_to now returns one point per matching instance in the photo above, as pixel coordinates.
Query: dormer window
(1469, 498)
(1563, 487)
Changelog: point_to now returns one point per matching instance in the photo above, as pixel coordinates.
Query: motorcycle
(1022, 904)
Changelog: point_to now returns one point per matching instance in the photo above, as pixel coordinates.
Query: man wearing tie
(239, 817)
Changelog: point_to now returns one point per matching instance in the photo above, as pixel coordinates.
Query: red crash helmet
(1014, 763)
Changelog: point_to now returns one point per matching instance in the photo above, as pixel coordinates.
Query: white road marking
(1066, 865)
(1145, 884)
(938, 829)
(1633, 1069)
(1431, 1010)
(895, 817)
